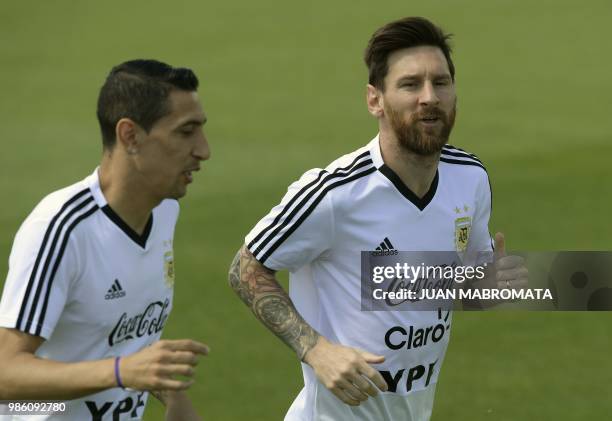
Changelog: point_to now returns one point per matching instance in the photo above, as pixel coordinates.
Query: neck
(124, 193)
(416, 171)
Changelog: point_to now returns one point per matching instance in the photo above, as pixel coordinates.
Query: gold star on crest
(457, 210)
(466, 208)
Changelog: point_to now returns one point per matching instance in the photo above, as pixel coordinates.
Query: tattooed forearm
(237, 285)
(259, 289)
(277, 312)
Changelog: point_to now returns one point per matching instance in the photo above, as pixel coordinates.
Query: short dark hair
(139, 90)
(403, 33)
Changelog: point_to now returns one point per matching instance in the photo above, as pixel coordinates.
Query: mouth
(430, 120)
(189, 174)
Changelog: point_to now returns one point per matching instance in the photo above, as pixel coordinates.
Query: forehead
(417, 61)
(183, 106)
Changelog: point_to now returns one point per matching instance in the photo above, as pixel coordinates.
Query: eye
(187, 131)
(409, 85)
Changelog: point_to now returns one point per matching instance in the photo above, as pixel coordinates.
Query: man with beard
(404, 190)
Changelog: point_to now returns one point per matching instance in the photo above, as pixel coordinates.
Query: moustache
(433, 113)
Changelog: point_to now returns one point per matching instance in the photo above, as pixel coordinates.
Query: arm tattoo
(257, 286)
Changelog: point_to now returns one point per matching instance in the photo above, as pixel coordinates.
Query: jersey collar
(420, 202)
(93, 181)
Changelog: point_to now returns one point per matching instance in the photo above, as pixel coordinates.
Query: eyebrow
(194, 121)
(418, 76)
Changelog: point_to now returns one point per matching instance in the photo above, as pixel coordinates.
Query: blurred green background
(283, 85)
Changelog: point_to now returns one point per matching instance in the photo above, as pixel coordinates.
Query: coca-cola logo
(149, 322)
(417, 286)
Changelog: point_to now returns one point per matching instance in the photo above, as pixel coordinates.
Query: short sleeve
(480, 239)
(299, 229)
(42, 266)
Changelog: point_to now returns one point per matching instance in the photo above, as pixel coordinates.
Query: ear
(374, 100)
(126, 133)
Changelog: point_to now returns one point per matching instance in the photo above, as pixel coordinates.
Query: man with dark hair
(404, 190)
(91, 272)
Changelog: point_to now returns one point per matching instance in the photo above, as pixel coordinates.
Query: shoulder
(341, 171)
(462, 162)
(466, 170)
(48, 228)
(352, 161)
(169, 207)
(166, 214)
(455, 156)
(68, 205)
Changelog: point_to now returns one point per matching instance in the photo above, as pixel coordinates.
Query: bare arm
(257, 286)
(178, 406)
(23, 375)
(343, 370)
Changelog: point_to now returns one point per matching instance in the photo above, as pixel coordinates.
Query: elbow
(13, 377)
(233, 276)
(4, 381)
(5, 389)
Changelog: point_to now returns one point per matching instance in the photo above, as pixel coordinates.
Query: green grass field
(283, 85)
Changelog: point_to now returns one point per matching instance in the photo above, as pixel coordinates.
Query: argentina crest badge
(169, 268)
(463, 226)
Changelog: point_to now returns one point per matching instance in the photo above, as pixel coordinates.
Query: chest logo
(169, 269)
(385, 248)
(115, 291)
(463, 225)
(150, 322)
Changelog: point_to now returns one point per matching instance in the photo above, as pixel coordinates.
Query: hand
(169, 397)
(178, 405)
(154, 367)
(345, 371)
(510, 270)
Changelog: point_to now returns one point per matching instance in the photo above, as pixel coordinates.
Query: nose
(202, 149)
(428, 94)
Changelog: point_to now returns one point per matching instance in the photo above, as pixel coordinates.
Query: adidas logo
(385, 249)
(115, 291)
(385, 245)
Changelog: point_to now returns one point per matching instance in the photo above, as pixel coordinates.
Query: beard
(413, 136)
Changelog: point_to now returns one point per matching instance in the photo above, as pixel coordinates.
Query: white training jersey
(317, 232)
(82, 279)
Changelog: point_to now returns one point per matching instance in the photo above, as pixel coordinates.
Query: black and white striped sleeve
(42, 265)
(299, 229)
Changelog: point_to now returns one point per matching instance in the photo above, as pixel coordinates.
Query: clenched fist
(155, 367)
